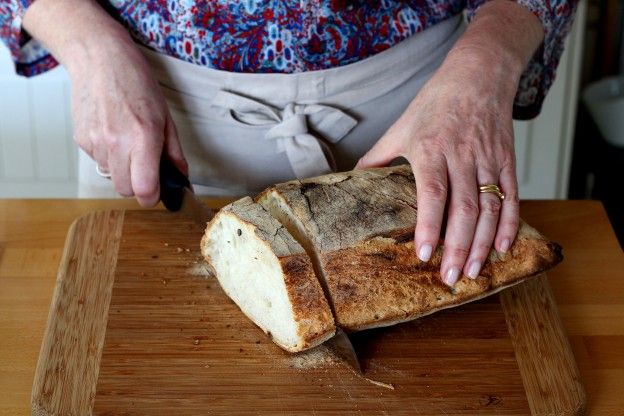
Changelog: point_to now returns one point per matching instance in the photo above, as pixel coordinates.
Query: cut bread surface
(268, 275)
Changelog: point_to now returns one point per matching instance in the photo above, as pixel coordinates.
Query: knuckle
(491, 206)
(465, 149)
(107, 129)
(509, 160)
(146, 125)
(509, 226)
(512, 197)
(93, 137)
(425, 151)
(112, 141)
(457, 252)
(430, 147)
(482, 248)
(467, 208)
(434, 190)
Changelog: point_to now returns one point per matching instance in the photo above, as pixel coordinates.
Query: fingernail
(504, 246)
(451, 276)
(424, 254)
(473, 272)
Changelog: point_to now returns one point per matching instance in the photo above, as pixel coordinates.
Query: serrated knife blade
(341, 345)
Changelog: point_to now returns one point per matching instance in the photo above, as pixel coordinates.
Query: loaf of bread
(357, 229)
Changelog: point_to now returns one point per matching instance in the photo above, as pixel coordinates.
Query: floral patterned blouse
(293, 35)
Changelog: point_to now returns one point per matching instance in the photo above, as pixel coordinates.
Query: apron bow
(289, 127)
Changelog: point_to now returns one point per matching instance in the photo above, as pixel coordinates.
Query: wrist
(91, 51)
(484, 72)
(502, 38)
(86, 33)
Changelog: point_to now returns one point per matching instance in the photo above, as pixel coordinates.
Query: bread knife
(341, 345)
(177, 194)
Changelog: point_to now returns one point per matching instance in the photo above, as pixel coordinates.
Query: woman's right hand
(121, 120)
(120, 116)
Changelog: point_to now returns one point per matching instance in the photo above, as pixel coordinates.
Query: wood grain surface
(175, 343)
(69, 361)
(542, 350)
(587, 287)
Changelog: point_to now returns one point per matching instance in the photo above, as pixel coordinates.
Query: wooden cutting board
(137, 326)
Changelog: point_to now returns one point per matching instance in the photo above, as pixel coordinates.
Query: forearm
(73, 30)
(502, 37)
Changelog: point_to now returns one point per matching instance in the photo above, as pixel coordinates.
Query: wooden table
(588, 287)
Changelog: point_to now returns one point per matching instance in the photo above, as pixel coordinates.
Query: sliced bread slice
(268, 275)
(358, 229)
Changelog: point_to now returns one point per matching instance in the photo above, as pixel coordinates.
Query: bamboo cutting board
(137, 326)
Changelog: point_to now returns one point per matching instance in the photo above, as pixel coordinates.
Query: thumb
(172, 147)
(381, 154)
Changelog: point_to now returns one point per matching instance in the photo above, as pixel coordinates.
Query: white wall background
(38, 157)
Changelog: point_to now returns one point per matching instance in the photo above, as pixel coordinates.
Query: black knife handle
(172, 184)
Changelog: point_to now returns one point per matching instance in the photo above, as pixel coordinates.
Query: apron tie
(307, 154)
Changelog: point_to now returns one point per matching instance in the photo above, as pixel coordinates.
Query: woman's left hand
(457, 135)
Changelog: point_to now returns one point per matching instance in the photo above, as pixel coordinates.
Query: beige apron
(242, 132)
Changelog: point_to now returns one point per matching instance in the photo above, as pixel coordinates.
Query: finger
(381, 154)
(119, 165)
(144, 171)
(510, 211)
(462, 219)
(489, 210)
(431, 193)
(99, 153)
(173, 149)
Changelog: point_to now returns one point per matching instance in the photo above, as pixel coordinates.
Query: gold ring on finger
(492, 189)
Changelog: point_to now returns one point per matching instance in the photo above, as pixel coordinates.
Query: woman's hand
(121, 120)
(120, 116)
(457, 134)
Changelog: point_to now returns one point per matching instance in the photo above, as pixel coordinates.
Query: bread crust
(310, 308)
(381, 281)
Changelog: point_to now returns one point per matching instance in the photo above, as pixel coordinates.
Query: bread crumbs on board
(318, 357)
(321, 357)
(200, 269)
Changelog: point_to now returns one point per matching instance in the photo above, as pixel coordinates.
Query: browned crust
(310, 308)
(528, 256)
(381, 281)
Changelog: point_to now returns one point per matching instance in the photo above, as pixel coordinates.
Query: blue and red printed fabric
(291, 36)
